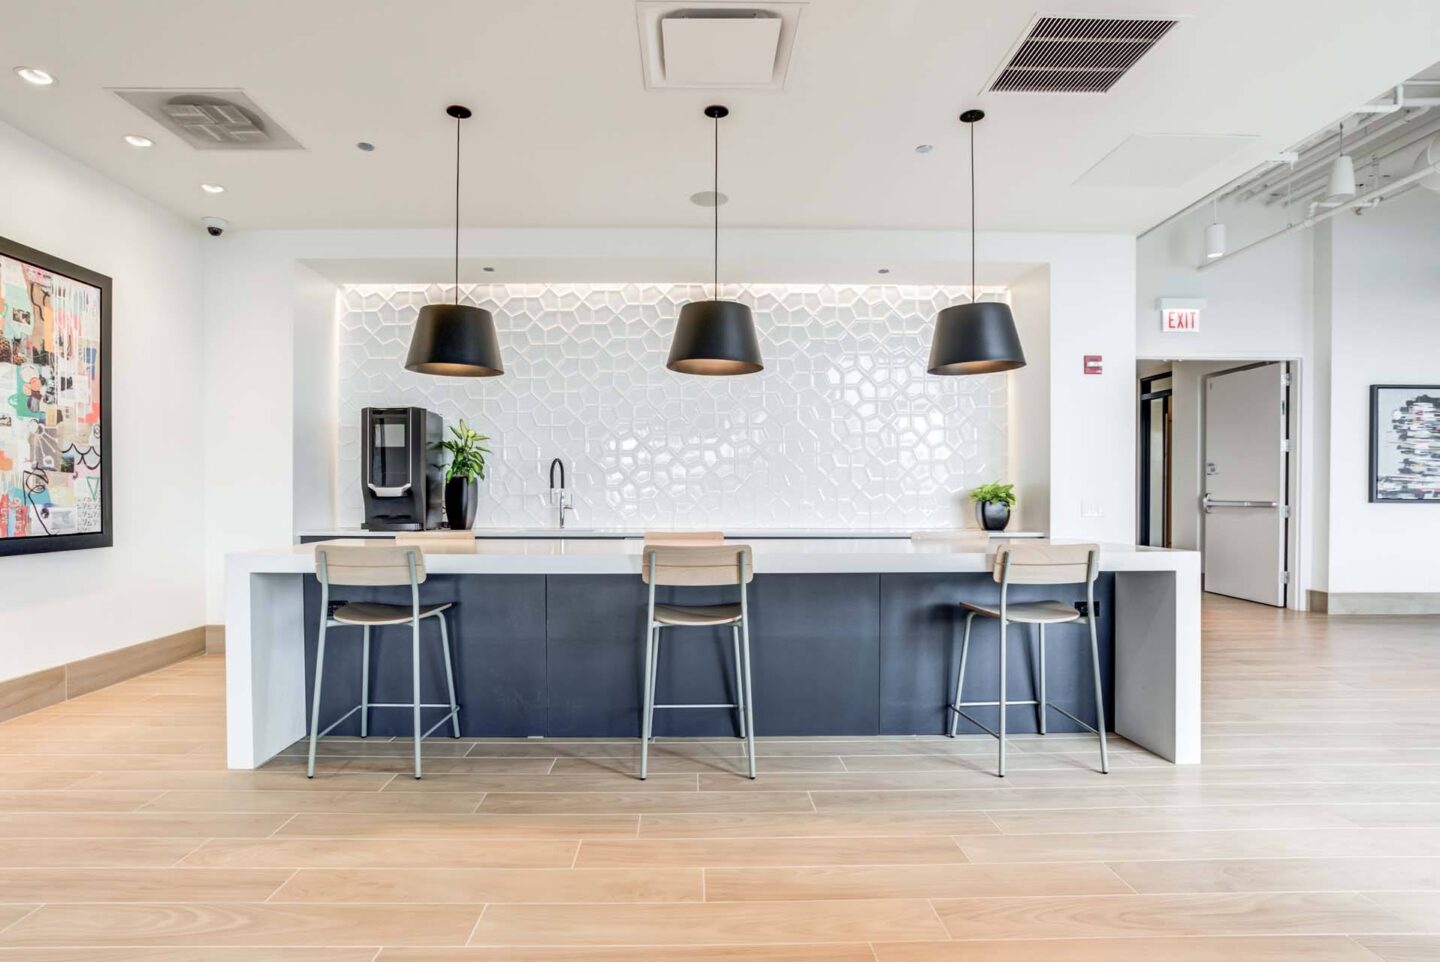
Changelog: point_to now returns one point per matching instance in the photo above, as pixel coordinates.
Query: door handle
(1210, 502)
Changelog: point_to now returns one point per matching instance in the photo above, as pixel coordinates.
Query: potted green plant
(466, 468)
(993, 502)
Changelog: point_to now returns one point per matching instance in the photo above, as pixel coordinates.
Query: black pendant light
(455, 340)
(715, 337)
(975, 338)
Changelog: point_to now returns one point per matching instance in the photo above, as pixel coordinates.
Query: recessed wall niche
(843, 428)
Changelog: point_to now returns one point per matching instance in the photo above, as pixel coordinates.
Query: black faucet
(558, 496)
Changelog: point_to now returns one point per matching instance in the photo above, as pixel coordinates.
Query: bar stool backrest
(697, 564)
(369, 565)
(684, 537)
(1041, 563)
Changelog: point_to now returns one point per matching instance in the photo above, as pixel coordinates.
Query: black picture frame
(105, 537)
(1376, 496)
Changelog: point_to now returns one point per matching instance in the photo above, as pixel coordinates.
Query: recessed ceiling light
(883, 270)
(135, 140)
(36, 76)
(924, 148)
(709, 198)
(365, 145)
(213, 188)
(489, 270)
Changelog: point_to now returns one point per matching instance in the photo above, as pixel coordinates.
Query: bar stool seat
(1029, 612)
(697, 615)
(373, 613)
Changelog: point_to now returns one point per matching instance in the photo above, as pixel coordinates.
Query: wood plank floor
(1310, 834)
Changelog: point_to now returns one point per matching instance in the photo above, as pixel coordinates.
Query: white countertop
(751, 532)
(826, 555)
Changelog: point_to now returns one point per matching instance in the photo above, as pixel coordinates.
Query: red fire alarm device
(1094, 364)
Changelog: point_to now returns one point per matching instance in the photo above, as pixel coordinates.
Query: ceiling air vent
(724, 45)
(211, 119)
(1066, 55)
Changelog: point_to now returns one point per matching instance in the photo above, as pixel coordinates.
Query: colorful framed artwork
(55, 470)
(1405, 443)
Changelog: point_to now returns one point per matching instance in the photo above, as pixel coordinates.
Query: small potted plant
(467, 466)
(993, 502)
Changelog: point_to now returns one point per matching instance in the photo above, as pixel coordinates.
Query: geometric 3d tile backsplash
(843, 428)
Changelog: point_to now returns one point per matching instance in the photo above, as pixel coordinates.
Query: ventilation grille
(211, 119)
(1078, 54)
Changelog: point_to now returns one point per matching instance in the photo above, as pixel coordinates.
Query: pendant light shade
(715, 337)
(455, 340)
(979, 337)
(1341, 185)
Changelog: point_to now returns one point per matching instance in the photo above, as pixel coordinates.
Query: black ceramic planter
(992, 516)
(460, 498)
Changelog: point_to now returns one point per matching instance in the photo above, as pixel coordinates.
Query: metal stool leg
(1099, 695)
(365, 684)
(655, 679)
(315, 701)
(415, 677)
(1001, 699)
(960, 678)
(749, 701)
(1040, 709)
(449, 675)
(739, 688)
(648, 699)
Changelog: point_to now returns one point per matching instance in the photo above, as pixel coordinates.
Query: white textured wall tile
(843, 428)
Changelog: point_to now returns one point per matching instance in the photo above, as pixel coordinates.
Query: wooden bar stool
(1034, 563)
(698, 564)
(374, 566)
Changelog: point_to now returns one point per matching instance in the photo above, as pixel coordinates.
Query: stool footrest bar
(1077, 721)
(341, 719)
(696, 706)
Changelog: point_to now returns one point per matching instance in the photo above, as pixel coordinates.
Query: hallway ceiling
(566, 134)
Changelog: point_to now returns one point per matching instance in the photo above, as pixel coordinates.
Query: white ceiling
(565, 133)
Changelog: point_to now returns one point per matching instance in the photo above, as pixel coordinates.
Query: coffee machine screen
(389, 473)
(403, 467)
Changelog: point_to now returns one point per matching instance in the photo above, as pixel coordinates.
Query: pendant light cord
(457, 210)
(974, 296)
(715, 244)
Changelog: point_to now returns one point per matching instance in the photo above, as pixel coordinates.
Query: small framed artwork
(1405, 443)
(55, 470)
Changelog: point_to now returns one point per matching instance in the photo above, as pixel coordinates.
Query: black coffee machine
(402, 468)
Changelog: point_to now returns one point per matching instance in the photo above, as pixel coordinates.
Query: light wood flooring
(1311, 833)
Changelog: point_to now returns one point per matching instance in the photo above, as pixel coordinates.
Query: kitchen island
(850, 637)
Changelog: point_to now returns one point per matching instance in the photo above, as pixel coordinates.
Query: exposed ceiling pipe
(1317, 161)
(1365, 200)
(1306, 188)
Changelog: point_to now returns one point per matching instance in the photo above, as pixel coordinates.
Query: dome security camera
(214, 226)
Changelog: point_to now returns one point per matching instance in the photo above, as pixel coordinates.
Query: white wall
(1386, 330)
(68, 605)
(315, 378)
(1030, 403)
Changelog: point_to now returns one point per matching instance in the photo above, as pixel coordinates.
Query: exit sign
(1180, 315)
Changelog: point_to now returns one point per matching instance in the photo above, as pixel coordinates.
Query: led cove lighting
(36, 76)
(212, 188)
(135, 140)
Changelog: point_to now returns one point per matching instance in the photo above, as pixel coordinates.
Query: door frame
(1146, 396)
(1298, 534)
